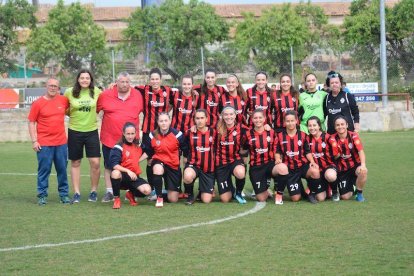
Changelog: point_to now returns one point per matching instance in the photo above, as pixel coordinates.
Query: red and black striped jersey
(210, 101)
(201, 149)
(183, 110)
(238, 103)
(293, 149)
(229, 145)
(165, 147)
(348, 150)
(262, 146)
(323, 150)
(257, 99)
(280, 105)
(155, 102)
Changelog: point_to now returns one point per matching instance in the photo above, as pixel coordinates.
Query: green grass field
(374, 237)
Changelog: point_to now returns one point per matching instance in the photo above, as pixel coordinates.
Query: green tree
(176, 31)
(70, 38)
(268, 39)
(362, 33)
(13, 14)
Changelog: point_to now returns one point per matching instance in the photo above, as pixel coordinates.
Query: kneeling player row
(218, 154)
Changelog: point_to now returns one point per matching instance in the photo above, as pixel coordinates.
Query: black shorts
(172, 177)
(205, 180)
(223, 176)
(106, 151)
(294, 180)
(128, 184)
(77, 140)
(260, 176)
(347, 180)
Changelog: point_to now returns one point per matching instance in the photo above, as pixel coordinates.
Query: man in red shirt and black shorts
(120, 104)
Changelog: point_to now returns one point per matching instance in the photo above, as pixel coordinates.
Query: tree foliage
(362, 33)
(268, 39)
(176, 32)
(70, 38)
(13, 14)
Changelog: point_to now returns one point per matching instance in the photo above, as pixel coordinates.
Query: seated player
(323, 152)
(350, 162)
(200, 159)
(163, 146)
(228, 159)
(262, 145)
(293, 150)
(124, 159)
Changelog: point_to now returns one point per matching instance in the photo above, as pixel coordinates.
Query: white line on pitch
(33, 174)
(259, 206)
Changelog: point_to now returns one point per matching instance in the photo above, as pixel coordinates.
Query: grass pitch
(374, 237)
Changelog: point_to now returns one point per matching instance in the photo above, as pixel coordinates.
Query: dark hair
(240, 91)
(316, 118)
(77, 88)
(331, 75)
(308, 74)
(267, 88)
(204, 88)
(290, 112)
(340, 117)
(293, 91)
(155, 71)
(202, 110)
(123, 139)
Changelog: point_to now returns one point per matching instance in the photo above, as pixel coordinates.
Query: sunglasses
(335, 75)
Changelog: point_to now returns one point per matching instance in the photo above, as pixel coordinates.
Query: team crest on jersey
(158, 142)
(210, 139)
(342, 100)
(242, 102)
(323, 145)
(234, 133)
(268, 138)
(268, 99)
(127, 153)
(299, 143)
(294, 100)
(350, 146)
(164, 94)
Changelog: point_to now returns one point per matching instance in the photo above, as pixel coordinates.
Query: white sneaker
(335, 198)
(278, 199)
(160, 202)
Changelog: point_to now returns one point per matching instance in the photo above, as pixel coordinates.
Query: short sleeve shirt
(49, 116)
(82, 110)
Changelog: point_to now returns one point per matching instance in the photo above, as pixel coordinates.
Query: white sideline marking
(35, 174)
(259, 206)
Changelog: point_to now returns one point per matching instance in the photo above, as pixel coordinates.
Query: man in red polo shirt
(47, 131)
(120, 104)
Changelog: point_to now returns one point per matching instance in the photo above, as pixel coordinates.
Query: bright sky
(131, 3)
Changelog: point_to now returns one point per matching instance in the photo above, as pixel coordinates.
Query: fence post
(383, 52)
(202, 59)
(291, 65)
(113, 66)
